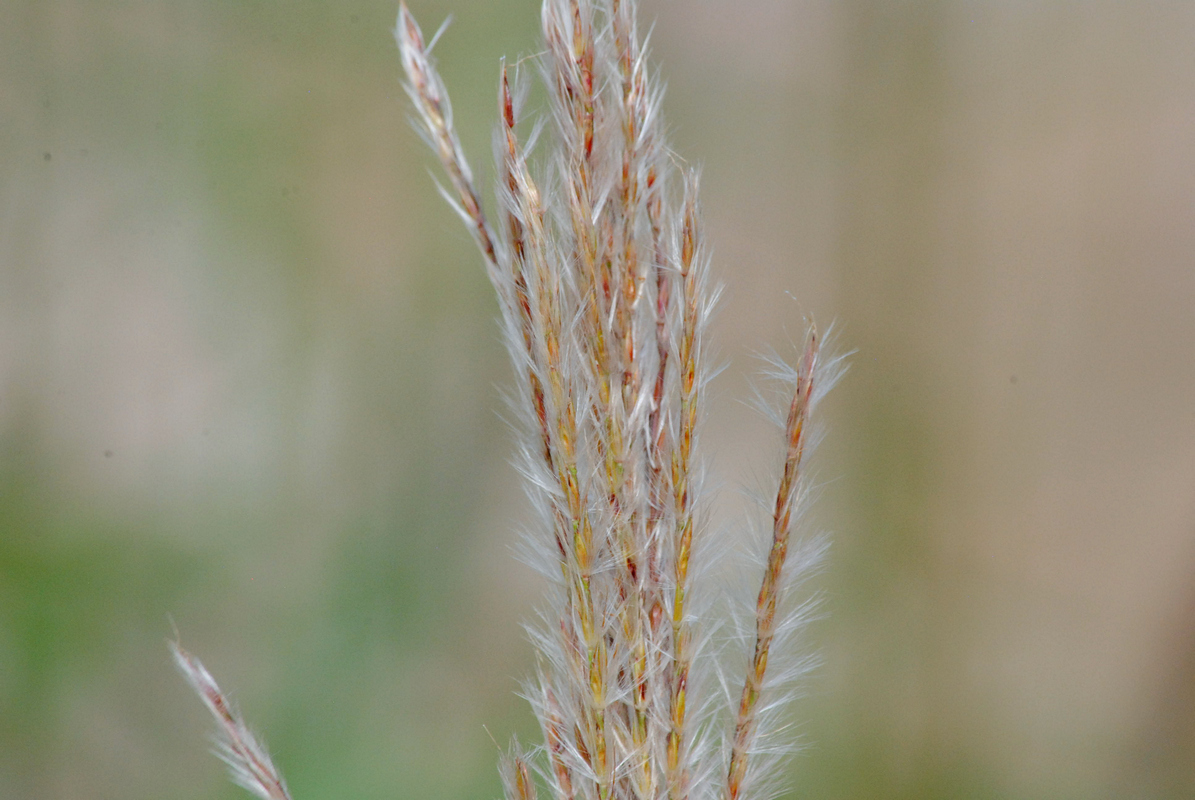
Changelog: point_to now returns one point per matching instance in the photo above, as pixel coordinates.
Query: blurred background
(250, 383)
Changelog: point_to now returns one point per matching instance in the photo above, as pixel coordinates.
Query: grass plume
(248, 761)
(597, 254)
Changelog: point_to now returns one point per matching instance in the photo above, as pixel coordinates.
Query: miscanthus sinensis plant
(602, 275)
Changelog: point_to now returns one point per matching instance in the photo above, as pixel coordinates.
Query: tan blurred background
(249, 383)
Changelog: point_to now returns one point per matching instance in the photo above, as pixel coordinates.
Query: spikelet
(248, 762)
(776, 663)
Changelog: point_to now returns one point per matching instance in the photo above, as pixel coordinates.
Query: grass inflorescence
(598, 257)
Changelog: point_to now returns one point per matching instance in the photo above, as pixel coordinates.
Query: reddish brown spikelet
(247, 759)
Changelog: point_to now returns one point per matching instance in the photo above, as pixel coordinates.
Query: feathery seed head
(598, 259)
(601, 273)
(248, 762)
